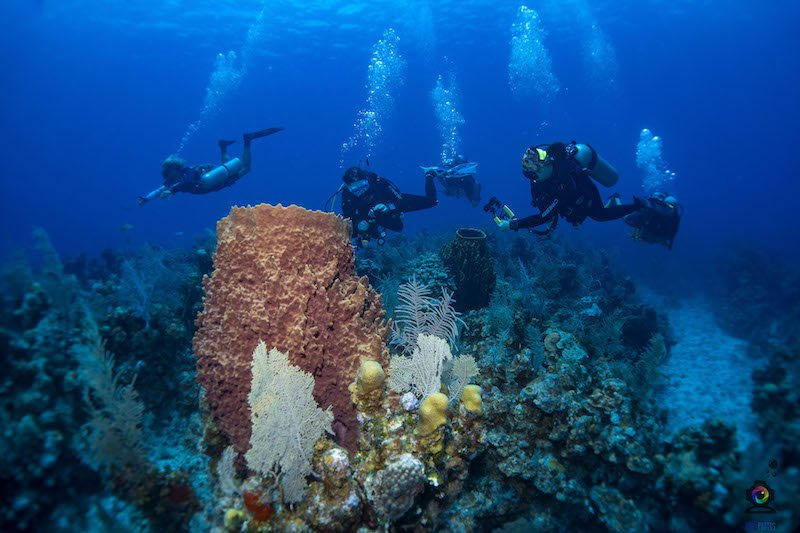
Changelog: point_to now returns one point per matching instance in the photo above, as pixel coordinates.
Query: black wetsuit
(569, 193)
(383, 191)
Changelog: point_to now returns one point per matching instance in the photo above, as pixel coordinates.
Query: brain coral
(285, 275)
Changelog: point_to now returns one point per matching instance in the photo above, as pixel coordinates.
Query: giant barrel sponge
(468, 260)
(285, 275)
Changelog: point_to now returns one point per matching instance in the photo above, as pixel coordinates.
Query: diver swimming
(658, 221)
(562, 183)
(201, 179)
(374, 204)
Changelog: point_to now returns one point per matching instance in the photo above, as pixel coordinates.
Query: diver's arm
(546, 214)
(529, 222)
(152, 195)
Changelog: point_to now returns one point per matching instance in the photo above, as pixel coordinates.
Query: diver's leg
(246, 157)
(430, 190)
(415, 202)
(612, 212)
(247, 137)
(260, 133)
(602, 213)
(474, 194)
(223, 149)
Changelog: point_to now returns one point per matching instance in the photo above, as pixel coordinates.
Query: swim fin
(260, 133)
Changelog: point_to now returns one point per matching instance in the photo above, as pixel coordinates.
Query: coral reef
(51, 472)
(562, 428)
(697, 468)
(392, 491)
(393, 469)
(42, 408)
(430, 270)
(755, 291)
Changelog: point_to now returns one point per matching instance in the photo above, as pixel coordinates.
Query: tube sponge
(471, 398)
(432, 413)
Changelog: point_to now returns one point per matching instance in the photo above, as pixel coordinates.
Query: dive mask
(532, 161)
(358, 187)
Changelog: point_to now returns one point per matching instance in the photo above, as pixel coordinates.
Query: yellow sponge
(432, 413)
(370, 376)
(234, 518)
(471, 398)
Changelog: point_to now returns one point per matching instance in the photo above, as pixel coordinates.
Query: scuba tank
(218, 177)
(597, 167)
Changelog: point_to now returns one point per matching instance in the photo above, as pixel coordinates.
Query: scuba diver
(457, 176)
(373, 203)
(561, 177)
(658, 222)
(201, 179)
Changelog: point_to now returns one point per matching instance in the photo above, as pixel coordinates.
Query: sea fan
(418, 313)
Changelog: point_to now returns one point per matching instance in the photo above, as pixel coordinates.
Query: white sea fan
(461, 372)
(287, 422)
(421, 373)
(418, 313)
(226, 472)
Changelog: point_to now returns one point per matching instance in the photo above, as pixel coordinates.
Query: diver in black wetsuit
(374, 203)
(659, 222)
(562, 187)
(201, 179)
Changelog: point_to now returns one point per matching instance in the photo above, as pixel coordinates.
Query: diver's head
(356, 180)
(172, 169)
(353, 174)
(537, 165)
(350, 175)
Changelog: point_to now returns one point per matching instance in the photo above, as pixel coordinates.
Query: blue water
(96, 94)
